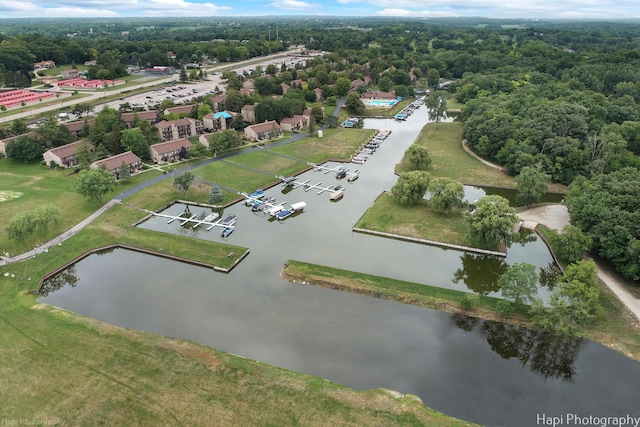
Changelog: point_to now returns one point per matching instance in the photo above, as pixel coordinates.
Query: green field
(335, 144)
(444, 141)
(419, 221)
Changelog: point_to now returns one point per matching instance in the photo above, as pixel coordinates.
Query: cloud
(418, 14)
(294, 5)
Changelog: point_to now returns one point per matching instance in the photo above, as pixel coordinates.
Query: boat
(336, 195)
(288, 181)
(258, 194)
(229, 220)
(358, 159)
(342, 172)
(353, 176)
(286, 213)
(226, 231)
(211, 217)
(273, 210)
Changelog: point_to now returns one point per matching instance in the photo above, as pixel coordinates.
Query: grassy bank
(396, 290)
(616, 329)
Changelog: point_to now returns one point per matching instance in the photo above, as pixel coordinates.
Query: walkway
(62, 237)
(480, 159)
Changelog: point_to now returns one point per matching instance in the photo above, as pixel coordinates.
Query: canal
(484, 372)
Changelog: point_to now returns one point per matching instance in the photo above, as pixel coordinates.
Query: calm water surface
(483, 372)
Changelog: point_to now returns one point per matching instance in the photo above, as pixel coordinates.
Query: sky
(529, 9)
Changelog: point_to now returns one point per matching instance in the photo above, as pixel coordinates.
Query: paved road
(95, 96)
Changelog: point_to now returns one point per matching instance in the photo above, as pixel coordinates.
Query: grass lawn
(418, 221)
(335, 143)
(444, 141)
(269, 162)
(396, 290)
(40, 185)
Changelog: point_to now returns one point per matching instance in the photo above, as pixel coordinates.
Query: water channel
(483, 372)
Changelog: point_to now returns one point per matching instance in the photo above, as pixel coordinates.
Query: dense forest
(562, 97)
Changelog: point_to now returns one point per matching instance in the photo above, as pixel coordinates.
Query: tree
(25, 149)
(437, 104)
(46, 215)
(433, 77)
(410, 187)
(183, 75)
(519, 283)
(220, 141)
(82, 109)
(183, 181)
(215, 196)
(446, 194)
(491, 221)
(418, 156)
(354, 104)
(607, 208)
(342, 86)
(134, 140)
(124, 172)
(85, 155)
(574, 302)
(571, 244)
(94, 183)
(532, 185)
(22, 226)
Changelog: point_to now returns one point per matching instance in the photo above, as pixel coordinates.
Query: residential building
(169, 151)
(63, 156)
(263, 131)
(216, 122)
(148, 116)
(379, 95)
(295, 123)
(181, 128)
(77, 126)
(113, 163)
(249, 113)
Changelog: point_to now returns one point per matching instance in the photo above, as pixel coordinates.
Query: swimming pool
(380, 102)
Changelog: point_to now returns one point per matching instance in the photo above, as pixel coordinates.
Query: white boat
(336, 195)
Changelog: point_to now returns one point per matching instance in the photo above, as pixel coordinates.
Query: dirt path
(556, 217)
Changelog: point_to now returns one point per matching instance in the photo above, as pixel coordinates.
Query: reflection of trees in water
(549, 276)
(524, 236)
(65, 277)
(480, 272)
(106, 251)
(546, 353)
(464, 322)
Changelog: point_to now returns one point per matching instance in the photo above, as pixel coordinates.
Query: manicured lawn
(270, 162)
(444, 141)
(335, 143)
(41, 185)
(418, 221)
